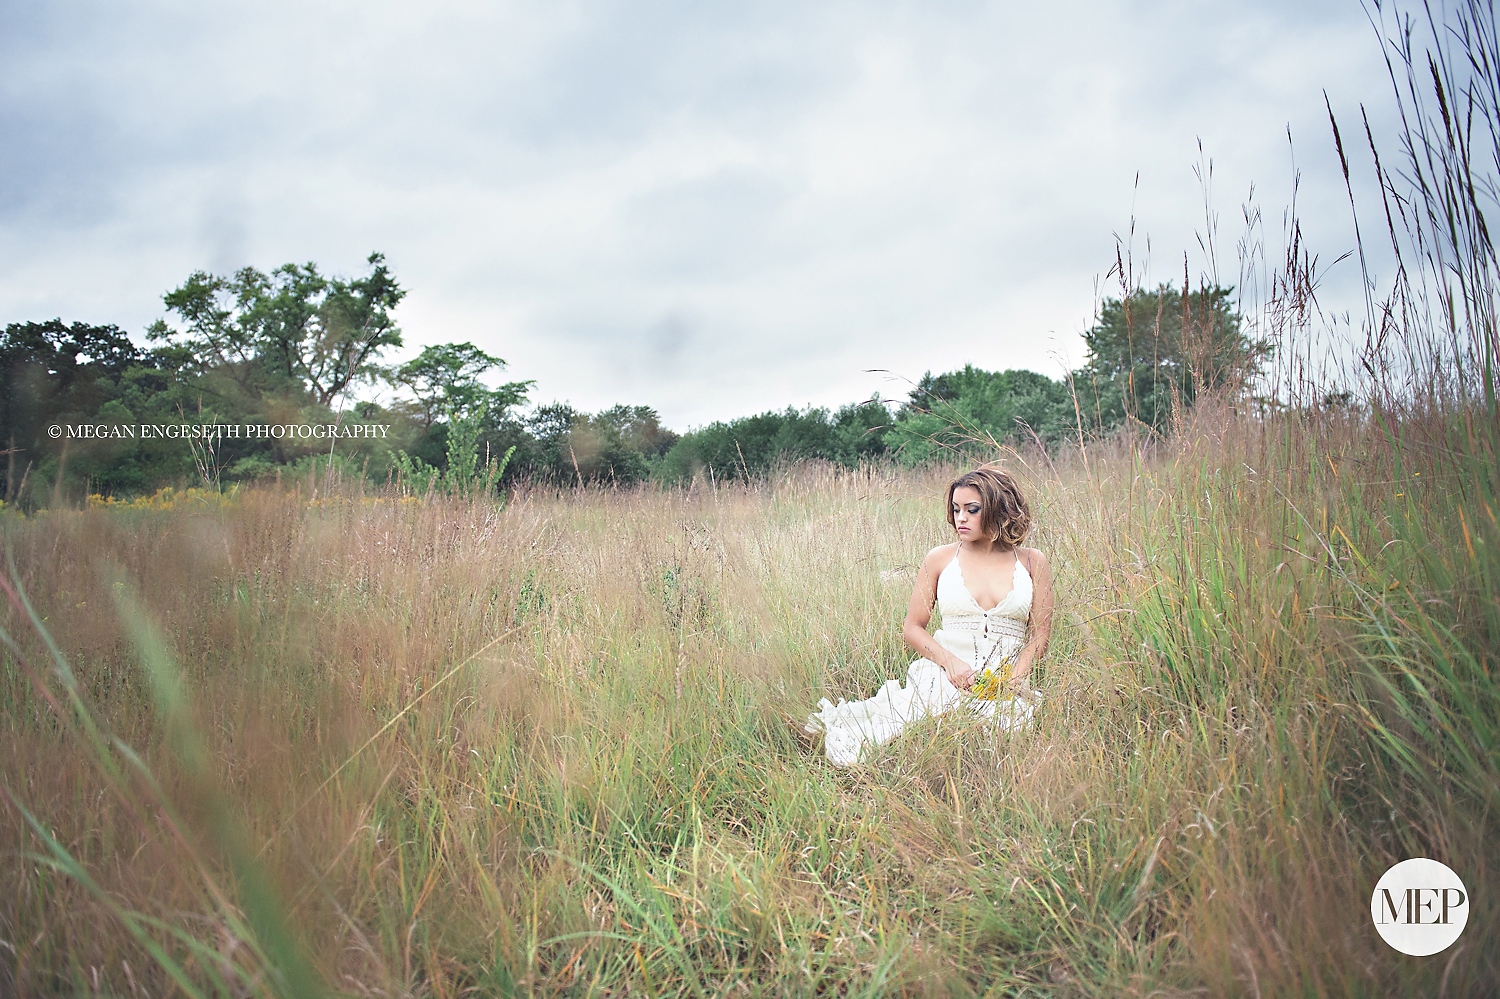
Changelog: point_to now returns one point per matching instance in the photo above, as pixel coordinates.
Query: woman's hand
(959, 674)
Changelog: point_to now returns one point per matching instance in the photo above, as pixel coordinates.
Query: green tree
(619, 445)
(752, 445)
(51, 370)
(445, 380)
(961, 412)
(863, 431)
(290, 327)
(639, 428)
(1153, 351)
(52, 373)
(546, 451)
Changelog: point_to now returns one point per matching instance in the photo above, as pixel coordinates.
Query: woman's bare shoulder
(1033, 557)
(937, 560)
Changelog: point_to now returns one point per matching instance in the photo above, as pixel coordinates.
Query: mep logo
(1420, 907)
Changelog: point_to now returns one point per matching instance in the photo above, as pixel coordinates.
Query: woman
(985, 568)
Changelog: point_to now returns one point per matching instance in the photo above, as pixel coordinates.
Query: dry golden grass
(589, 786)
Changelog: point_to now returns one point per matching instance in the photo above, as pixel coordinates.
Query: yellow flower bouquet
(989, 684)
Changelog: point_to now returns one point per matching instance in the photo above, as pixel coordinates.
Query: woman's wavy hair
(1004, 514)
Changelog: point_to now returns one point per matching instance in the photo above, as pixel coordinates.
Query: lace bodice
(971, 632)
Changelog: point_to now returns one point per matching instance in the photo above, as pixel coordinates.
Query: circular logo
(1420, 907)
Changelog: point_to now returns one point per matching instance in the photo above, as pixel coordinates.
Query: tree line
(296, 346)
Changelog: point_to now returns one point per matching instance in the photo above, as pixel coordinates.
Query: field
(324, 739)
(315, 738)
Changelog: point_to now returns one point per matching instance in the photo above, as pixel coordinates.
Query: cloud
(712, 209)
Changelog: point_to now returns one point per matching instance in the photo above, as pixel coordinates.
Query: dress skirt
(851, 728)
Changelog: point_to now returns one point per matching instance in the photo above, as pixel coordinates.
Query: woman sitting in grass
(981, 658)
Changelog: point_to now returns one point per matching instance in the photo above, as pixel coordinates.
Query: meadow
(321, 738)
(316, 739)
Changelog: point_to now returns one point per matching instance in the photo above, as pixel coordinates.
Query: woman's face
(968, 514)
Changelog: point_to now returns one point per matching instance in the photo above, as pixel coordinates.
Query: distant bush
(961, 412)
(559, 444)
(751, 445)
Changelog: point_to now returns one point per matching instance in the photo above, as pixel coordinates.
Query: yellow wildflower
(989, 684)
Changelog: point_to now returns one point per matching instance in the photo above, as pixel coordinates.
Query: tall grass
(606, 799)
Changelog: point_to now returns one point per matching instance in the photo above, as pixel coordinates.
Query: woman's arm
(1040, 624)
(919, 614)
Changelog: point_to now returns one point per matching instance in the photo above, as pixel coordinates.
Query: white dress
(969, 632)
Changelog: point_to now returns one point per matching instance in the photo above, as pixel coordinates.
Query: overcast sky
(710, 208)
